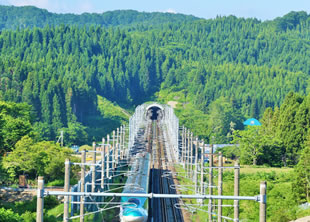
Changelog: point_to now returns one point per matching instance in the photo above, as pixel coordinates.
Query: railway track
(161, 181)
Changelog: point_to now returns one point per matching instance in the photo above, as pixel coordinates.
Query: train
(135, 209)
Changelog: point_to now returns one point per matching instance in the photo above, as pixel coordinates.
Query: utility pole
(196, 165)
(108, 158)
(120, 143)
(220, 187)
(61, 138)
(113, 148)
(202, 166)
(117, 147)
(187, 153)
(93, 175)
(40, 199)
(202, 170)
(191, 155)
(263, 202)
(82, 198)
(124, 136)
(66, 189)
(183, 146)
(236, 191)
(210, 181)
(102, 162)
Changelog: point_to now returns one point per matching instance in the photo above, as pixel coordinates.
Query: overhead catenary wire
(115, 155)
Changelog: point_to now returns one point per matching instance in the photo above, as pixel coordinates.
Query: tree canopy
(36, 158)
(61, 69)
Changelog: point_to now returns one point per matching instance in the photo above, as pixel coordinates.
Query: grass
(165, 95)
(255, 169)
(111, 110)
(280, 193)
(56, 212)
(107, 117)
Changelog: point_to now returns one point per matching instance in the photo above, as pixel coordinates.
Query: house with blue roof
(252, 122)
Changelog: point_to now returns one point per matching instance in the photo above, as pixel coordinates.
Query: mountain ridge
(29, 16)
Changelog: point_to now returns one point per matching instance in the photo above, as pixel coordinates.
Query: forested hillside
(82, 73)
(248, 64)
(29, 17)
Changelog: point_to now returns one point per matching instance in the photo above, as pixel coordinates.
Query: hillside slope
(12, 17)
(230, 66)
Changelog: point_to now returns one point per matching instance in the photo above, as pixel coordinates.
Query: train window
(134, 201)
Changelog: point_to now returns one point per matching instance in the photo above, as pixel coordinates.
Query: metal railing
(186, 150)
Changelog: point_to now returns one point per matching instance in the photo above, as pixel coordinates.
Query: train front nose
(134, 215)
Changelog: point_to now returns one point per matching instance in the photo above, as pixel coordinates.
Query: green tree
(9, 216)
(34, 159)
(251, 147)
(75, 134)
(302, 174)
(287, 129)
(221, 115)
(14, 124)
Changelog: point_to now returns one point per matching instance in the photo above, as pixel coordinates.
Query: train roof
(137, 181)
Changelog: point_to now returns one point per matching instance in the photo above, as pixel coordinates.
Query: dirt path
(304, 219)
(12, 195)
(173, 104)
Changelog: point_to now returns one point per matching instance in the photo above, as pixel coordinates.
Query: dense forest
(226, 69)
(73, 73)
(28, 17)
(60, 69)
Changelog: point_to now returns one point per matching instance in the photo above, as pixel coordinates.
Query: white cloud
(170, 10)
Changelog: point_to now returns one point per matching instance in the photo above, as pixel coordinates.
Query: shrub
(8, 215)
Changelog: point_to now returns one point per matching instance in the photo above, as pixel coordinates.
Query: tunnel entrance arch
(154, 112)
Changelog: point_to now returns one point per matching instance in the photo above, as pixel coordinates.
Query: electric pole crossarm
(153, 195)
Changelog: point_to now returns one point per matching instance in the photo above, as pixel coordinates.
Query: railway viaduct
(176, 155)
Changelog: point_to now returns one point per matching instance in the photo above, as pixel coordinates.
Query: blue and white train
(135, 209)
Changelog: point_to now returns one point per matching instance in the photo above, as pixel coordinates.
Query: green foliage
(302, 175)
(220, 71)
(9, 216)
(292, 126)
(224, 119)
(74, 134)
(112, 111)
(29, 16)
(26, 210)
(282, 136)
(110, 117)
(251, 146)
(231, 152)
(240, 66)
(281, 205)
(14, 124)
(193, 119)
(29, 216)
(34, 159)
(56, 213)
(216, 125)
(291, 21)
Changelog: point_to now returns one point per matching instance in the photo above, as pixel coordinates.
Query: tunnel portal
(154, 113)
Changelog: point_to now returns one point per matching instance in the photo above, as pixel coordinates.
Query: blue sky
(261, 9)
